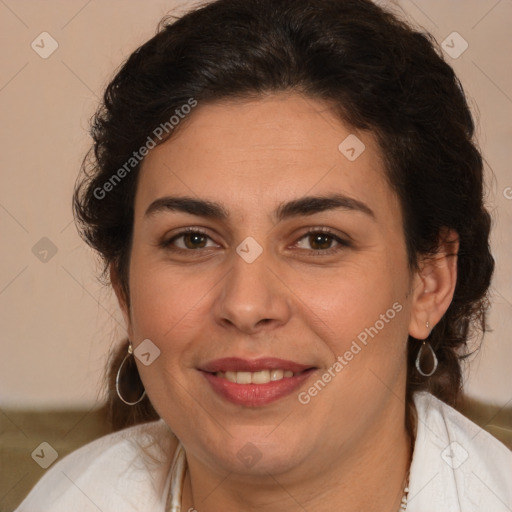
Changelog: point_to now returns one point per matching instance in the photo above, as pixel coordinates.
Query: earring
(127, 378)
(426, 347)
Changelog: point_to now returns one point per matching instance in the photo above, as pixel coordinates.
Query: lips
(244, 382)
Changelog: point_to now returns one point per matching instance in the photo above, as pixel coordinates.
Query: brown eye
(320, 241)
(191, 239)
(194, 240)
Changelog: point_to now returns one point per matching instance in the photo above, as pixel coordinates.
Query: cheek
(350, 300)
(364, 326)
(166, 309)
(360, 315)
(164, 304)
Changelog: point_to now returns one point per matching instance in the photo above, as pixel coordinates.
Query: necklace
(405, 496)
(179, 467)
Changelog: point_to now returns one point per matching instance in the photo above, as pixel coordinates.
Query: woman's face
(299, 266)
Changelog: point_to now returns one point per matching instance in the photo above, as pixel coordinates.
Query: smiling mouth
(255, 382)
(258, 377)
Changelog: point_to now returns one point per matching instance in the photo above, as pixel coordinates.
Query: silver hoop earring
(119, 378)
(425, 346)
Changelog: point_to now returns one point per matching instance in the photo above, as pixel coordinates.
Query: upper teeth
(261, 377)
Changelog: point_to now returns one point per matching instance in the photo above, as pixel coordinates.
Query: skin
(349, 443)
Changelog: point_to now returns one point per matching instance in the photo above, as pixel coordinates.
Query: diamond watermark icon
(249, 250)
(44, 45)
(146, 352)
(249, 455)
(45, 455)
(352, 147)
(454, 455)
(454, 45)
(44, 250)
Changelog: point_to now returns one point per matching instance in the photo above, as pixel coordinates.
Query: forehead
(250, 155)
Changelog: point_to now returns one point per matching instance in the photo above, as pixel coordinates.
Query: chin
(253, 451)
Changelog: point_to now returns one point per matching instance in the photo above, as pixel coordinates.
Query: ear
(121, 298)
(434, 285)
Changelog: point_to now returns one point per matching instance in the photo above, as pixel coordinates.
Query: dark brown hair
(377, 72)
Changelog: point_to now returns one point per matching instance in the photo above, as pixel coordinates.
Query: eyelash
(168, 244)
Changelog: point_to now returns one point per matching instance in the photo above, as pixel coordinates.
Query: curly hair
(378, 73)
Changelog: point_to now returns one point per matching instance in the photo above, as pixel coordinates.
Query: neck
(368, 473)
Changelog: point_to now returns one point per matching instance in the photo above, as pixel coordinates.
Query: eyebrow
(304, 206)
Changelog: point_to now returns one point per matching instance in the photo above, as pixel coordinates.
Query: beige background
(57, 321)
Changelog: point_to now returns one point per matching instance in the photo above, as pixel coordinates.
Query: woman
(288, 201)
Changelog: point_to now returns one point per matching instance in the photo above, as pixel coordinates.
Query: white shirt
(456, 467)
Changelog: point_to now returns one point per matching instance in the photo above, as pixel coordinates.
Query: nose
(252, 297)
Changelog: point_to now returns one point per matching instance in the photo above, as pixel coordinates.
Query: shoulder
(457, 466)
(127, 470)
